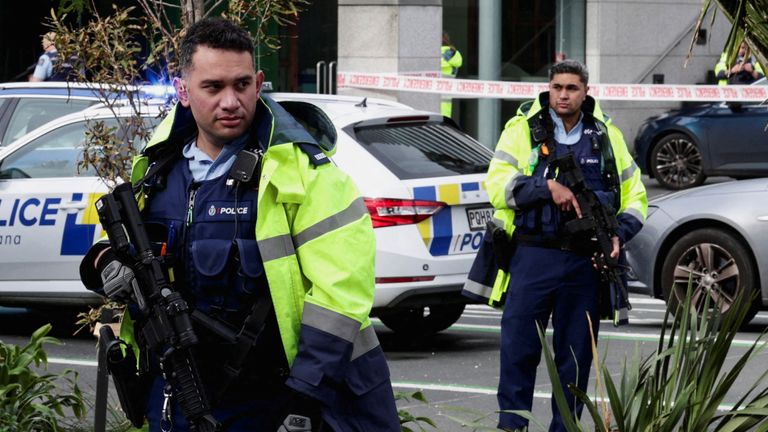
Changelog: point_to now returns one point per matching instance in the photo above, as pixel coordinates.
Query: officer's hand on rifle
(563, 197)
(615, 250)
(118, 279)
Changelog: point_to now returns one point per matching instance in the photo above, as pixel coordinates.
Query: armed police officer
(283, 249)
(550, 271)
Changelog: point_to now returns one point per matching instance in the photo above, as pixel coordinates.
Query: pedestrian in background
(450, 62)
(746, 70)
(550, 270)
(292, 245)
(45, 64)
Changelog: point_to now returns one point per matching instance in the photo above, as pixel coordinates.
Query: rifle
(168, 328)
(599, 222)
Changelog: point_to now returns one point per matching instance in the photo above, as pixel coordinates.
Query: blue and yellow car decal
(78, 237)
(438, 231)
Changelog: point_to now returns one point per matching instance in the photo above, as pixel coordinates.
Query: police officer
(297, 238)
(450, 62)
(746, 69)
(45, 64)
(550, 273)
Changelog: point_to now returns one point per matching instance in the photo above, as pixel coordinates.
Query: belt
(569, 244)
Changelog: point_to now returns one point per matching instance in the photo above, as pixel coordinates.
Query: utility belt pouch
(503, 245)
(131, 386)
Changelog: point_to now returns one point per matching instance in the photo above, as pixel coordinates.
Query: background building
(621, 41)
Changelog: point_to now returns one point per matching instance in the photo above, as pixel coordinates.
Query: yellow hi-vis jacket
(450, 61)
(721, 70)
(511, 161)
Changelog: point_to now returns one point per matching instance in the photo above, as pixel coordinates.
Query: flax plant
(749, 19)
(681, 386)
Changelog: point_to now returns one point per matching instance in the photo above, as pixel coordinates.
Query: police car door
(47, 221)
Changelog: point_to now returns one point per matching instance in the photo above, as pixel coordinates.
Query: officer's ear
(181, 91)
(259, 81)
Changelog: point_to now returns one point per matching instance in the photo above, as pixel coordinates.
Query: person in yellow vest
(450, 62)
(283, 257)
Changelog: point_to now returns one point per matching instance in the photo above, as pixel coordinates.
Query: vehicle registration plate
(477, 217)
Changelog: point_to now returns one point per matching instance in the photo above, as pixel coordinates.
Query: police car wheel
(677, 163)
(719, 268)
(422, 321)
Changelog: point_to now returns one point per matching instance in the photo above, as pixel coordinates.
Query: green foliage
(30, 401)
(749, 23)
(407, 418)
(261, 13)
(681, 385)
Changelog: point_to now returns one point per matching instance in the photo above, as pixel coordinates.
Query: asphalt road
(457, 369)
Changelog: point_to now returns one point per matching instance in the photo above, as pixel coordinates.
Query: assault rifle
(167, 329)
(599, 222)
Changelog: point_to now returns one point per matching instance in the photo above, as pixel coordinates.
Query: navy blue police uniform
(550, 273)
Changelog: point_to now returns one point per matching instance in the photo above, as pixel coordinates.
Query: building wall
(628, 41)
(391, 36)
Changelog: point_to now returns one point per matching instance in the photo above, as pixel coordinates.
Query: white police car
(25, 106)
(420, 175)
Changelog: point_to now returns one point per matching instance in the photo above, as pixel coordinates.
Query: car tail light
(401, 279)
(389, 212)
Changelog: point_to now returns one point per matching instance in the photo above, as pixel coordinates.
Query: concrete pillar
(489, 51)
(394, 36)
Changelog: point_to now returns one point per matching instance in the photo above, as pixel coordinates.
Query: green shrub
(681, 386)
(30, 401)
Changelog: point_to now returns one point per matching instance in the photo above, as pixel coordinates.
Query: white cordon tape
(528, 90)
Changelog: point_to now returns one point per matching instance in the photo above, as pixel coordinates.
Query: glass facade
(535, 34)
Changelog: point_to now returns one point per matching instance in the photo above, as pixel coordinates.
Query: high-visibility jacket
(510, 167)
(450, 61)
(721, 70)
(317, 244)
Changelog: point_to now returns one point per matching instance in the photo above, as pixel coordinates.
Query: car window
(31, 113)
(419, 150)
(55, 154)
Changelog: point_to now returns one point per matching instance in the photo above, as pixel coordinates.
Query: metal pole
(331, 78)
(319, 74)
(102, 390)
(489, 50)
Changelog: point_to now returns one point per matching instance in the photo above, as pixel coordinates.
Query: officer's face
(221, 88)
(566, 94)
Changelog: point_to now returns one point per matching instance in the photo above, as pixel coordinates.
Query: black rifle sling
(154, 169)
(245, 340)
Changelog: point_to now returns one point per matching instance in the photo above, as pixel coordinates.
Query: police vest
(547, 220)
(217, 266)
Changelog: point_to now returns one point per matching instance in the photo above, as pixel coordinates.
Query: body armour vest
(218, 269)
(546, 220)
(63, 72)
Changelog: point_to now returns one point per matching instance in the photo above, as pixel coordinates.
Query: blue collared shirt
(563, 137)
(203, 167)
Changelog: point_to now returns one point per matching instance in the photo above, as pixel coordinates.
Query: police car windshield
(420, 150)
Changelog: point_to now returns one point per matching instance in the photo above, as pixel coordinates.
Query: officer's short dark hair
(570, 67)
(213, 32)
